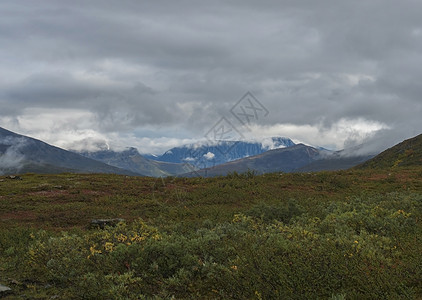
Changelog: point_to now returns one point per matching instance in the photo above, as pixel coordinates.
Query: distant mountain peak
(131, 159)
(211, 153)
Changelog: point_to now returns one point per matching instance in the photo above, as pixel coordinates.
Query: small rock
(14, 177)
(102, 223)
(4, 290)
(14, 281)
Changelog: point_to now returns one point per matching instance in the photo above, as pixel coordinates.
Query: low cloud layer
(159, 74)
(10, 156)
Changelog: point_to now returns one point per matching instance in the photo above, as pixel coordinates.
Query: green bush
(279, 212)
(235, 240)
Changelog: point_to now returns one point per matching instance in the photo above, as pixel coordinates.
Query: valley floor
(327, 235)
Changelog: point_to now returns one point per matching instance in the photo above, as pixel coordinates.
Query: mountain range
(277, 160)
(297, 158)
(207, 155)
(131, 160)
(21, 154)
(187, 158)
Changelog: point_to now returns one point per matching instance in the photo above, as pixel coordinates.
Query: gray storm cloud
(161, 65)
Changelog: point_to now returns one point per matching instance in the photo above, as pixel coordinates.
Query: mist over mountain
(131, 160)
(405, 154)
(297, 158)
(278, 160)
(205, 155)
(21, 154)
(11, 156)
(335, 161)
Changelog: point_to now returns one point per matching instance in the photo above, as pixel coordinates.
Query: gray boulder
(4, 290)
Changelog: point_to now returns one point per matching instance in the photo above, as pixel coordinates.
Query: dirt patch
(379, 176)
(18, 215)
(93, 193)
(405, 177)
(49, 194)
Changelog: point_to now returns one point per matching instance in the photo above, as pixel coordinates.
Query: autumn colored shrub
(278, 236)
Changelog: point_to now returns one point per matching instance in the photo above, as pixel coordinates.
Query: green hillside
(407, 153)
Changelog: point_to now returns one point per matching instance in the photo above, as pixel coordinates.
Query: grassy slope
(407, 153)
(69, 201)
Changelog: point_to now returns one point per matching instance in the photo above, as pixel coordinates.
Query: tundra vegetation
(352, 234)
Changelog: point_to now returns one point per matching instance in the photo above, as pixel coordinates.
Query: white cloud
(209, 155)
(333, 137)
(269, 144)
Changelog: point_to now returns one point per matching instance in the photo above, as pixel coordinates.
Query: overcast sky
(155, 74)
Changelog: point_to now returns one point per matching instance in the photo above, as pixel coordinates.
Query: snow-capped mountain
(207, 155)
